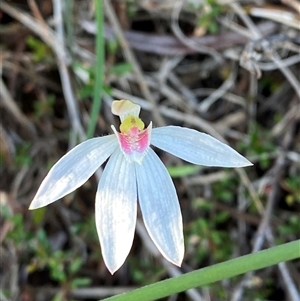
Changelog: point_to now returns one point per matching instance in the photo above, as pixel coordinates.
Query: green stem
(99, 69)
(217, 272)
(68, 15)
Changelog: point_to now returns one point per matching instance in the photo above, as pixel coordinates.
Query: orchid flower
(134, 172)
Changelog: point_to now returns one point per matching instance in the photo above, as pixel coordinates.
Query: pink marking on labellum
(134, 140)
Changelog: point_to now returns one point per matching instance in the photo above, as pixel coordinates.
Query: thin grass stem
(211, 274)
(99, 69)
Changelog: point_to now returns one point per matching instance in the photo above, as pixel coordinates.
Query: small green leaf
(86, 91)
(80, 282)
(75, 265)
(183, 170)
(38, 215)
(58, 297)
(121, 69)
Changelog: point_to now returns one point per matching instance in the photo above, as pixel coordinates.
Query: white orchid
(134, 172)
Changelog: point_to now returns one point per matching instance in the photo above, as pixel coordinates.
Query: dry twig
(131, 59)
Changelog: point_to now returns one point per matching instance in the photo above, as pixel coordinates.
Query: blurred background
(230, 69)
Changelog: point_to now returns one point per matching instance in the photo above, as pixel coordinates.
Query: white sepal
(74, 169)
(160, 207)
(116, 210)
(196, 147)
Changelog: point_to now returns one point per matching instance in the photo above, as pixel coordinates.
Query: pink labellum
(134, 144)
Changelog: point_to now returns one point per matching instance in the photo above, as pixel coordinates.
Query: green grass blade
(99, 69)
(211, 274)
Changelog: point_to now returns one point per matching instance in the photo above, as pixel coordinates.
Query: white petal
(196, 147)
(73, 169)
(116, 210)
(160, 207)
